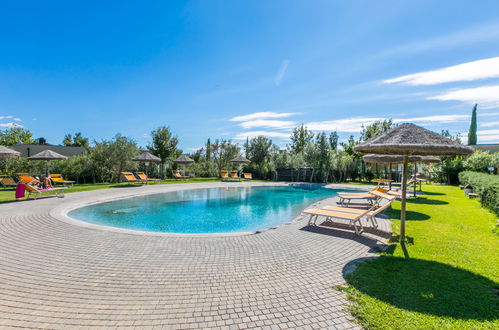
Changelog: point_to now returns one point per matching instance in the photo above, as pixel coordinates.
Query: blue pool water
(213, 210)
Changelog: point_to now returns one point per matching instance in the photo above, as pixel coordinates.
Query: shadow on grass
(424, 200)
(426, 287)
(409, 215)
(429, 193)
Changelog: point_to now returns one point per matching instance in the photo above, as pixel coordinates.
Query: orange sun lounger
(143, 176)
(57, 179)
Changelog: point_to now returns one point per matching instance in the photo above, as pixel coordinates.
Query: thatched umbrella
(407, 140)
(47, 155)
(240, 161)
(146, 158)
(7, 153)
(399, 159)
(184, 161)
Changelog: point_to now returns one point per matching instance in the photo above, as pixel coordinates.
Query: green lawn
(451, 278)
(8, 195)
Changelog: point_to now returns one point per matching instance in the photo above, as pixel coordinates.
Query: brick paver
(58, 273)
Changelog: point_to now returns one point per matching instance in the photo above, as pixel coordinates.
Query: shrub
(485, 185)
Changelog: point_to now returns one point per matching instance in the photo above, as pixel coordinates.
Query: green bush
(485, 185)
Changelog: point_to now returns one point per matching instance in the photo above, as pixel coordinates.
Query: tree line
(329, 159)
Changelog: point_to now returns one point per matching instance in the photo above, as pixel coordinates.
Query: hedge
(485, 185)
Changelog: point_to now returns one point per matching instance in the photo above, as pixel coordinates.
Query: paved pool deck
(60, 273)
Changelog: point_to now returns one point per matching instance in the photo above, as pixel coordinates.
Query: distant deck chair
(248, 176)
(31, 190)
(130, 178)
(144, 177)
(7, 181)
(58, 179)
(178, 176)
(224, 175)
(234, 175)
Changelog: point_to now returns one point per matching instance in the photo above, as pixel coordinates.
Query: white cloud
(263, 115)
(481, 69)
(10, 125)
(348, 125)
(282, 124)
(281, 72)
(488, 135)
(6, 117)
(252, 134)
(436, 118)
(490, 124)
(486, 96)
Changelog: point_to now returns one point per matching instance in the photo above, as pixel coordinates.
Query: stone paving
(59, 273)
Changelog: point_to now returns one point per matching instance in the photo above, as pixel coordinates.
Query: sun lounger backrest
(141, 175)
(383, 195)
(7, 180)
(26, 179)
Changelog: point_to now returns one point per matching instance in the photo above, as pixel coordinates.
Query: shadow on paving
(345, 231)
(427, 287)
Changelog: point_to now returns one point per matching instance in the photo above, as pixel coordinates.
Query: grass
(8, 195)
(451, 278)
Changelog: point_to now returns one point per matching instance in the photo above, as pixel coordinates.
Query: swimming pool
(207, 210)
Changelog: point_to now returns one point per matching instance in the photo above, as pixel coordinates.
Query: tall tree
(300, 138)
(259, 151)
(76, 141)
(472, 138)
(333, 140)
(222, 152)
(15, 135)
(375, 129)
(164, 145)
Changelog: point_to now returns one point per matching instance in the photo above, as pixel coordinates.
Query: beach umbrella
(183, 161)
(47, 155)
(240, 161)
(408, 140)
(7, 153)
(146, 158)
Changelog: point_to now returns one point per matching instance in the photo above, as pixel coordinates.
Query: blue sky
(232, 69)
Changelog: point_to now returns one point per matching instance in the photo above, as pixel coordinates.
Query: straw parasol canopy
(240, 160)
(147, 157)
(47, 155)
(7, 153)
(406, 140)
(412, 140)
(183, 160)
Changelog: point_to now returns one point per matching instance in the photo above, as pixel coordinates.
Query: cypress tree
(472, 138)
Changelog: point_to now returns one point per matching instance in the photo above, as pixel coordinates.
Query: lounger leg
(357, 230)
(374, 221)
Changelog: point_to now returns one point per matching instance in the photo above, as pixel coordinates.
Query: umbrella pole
(391, 178)
(403, 203)
(415, 176)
